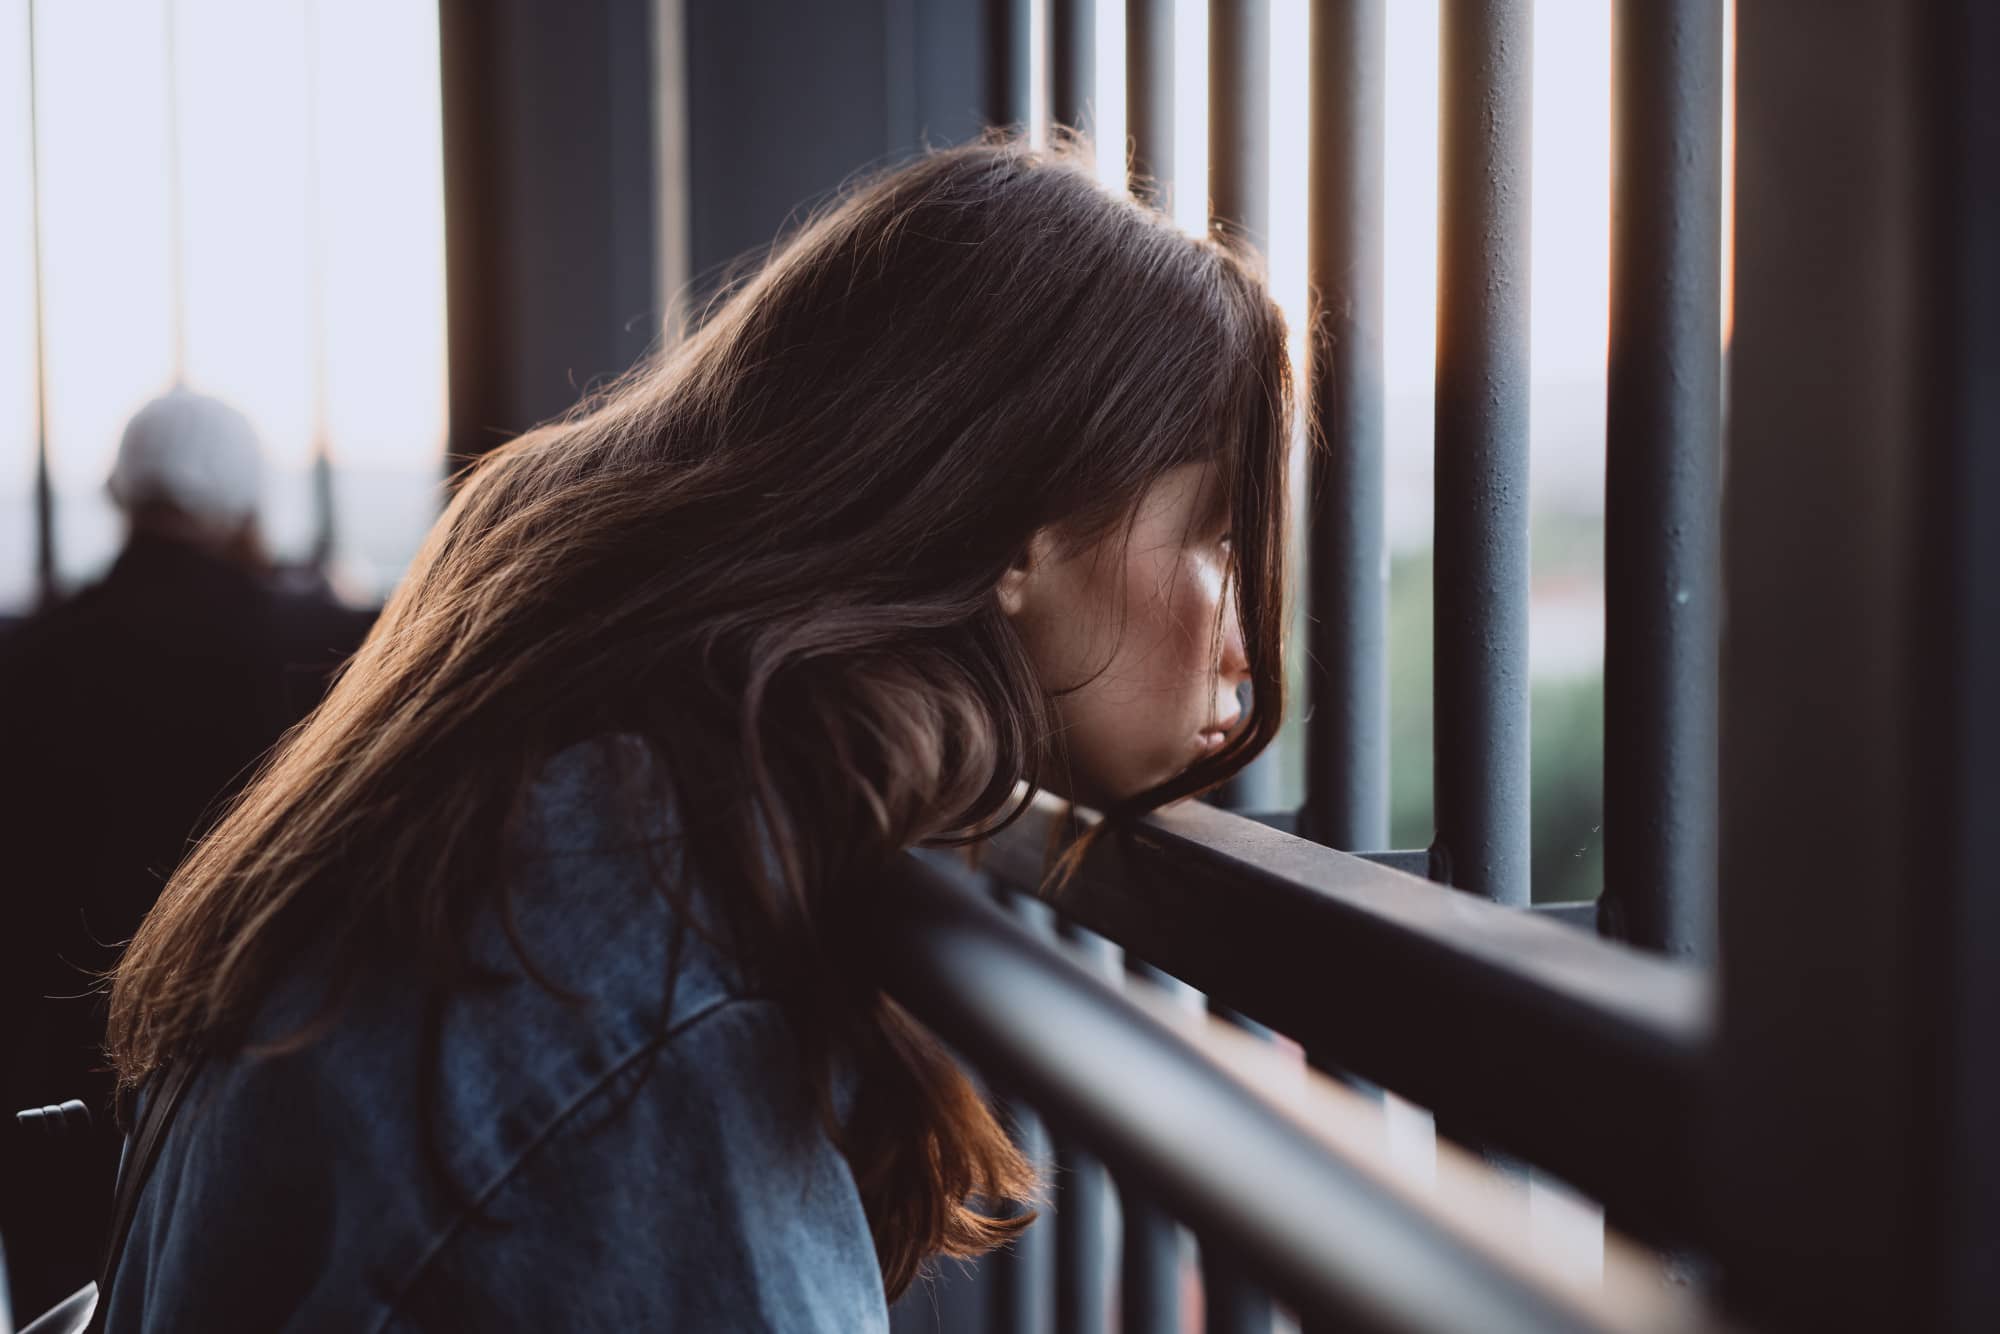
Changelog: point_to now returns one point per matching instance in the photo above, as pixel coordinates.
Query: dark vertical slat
(1239, 191)
(1481, 598)
(1239, 146)
(1149, 1276)
(1662, 498)
(1010, 57)
(1149, 1269)
(522, 84)
(1964, 939)
(1347, 727)
(1149, 98)
(1073, 63)
(1025, 1274)
(1085, 1269)
(1021, 1277)
(1858, 1185)
(45, 496)
(1230, 1302)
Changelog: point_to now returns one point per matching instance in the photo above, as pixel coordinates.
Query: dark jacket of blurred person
(128, 713)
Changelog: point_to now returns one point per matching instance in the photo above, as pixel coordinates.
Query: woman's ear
(1017, 586)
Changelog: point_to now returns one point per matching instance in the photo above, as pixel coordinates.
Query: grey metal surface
(1663, 521)
(1010, 59)
(1086, 1269)
(550, 265)
(45, 496)
(1073, 63)
(1347, 683)
(1480, 604)
(1239, 204)
(1858, 1177)
(1149, 1267)
(1327, 1238)
(1149, 97)
(1542, 1041)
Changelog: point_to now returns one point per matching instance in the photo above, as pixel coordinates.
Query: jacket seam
(450, 1231)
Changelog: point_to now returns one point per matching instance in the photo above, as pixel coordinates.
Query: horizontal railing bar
(1329, 1240)
(1576, 1054)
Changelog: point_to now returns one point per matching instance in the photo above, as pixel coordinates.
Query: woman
(530, 975)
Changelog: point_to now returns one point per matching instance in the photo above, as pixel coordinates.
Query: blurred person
(127, 711)
(530, 985)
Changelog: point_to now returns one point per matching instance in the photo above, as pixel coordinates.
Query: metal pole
(1084, 1272)
(1347, 726)
(1239, 192)
(324, 533)
(1481, 600)
(45, 497)
(1010, 55)
(1239, 146)
(176, 202)
(1073, 63)
(1662, 496)
(1149, 98)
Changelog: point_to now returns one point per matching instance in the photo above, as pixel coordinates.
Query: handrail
(1322, 1234)
(1577, 1054)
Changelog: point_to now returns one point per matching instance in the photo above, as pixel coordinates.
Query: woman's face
(1140, 701)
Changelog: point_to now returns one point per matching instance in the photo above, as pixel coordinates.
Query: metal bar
(1020, 1278)
(1858, 1180)
(1332, 1241)
(1663, 520)
(1084, 1273)
(1149, 98)
(1548, 1043)
(1230, 1302)
(1073, 63)
(45, 496)
(1239, 193)
(1149, 1273)
(176, 197)
(1239, 144)
(1481, 600)
(325, 534)
(1010, 56)
(1347, 720)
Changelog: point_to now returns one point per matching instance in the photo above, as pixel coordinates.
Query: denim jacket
(627, 1163)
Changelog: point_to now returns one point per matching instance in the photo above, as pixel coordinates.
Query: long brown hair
(774, 553)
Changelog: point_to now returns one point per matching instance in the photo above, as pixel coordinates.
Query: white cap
(193, 452)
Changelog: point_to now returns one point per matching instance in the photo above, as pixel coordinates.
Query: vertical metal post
(45, 496)
(1239, 192)
(1149, 1271)
(1230, 1302)
(1020, 1277)
(1347, 727)
(176, 198)
(1481, 600)
(1010, 63)
(1239, 145)
(1662, 477)
(1149, 98)
(324, 525)
(1073, 63)
(1149, 1274)
(1084, 1266)
(1858, 1182)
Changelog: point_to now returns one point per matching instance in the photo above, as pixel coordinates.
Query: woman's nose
(1235, 657)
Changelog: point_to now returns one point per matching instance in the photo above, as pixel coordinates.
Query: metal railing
(1629, 1075)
